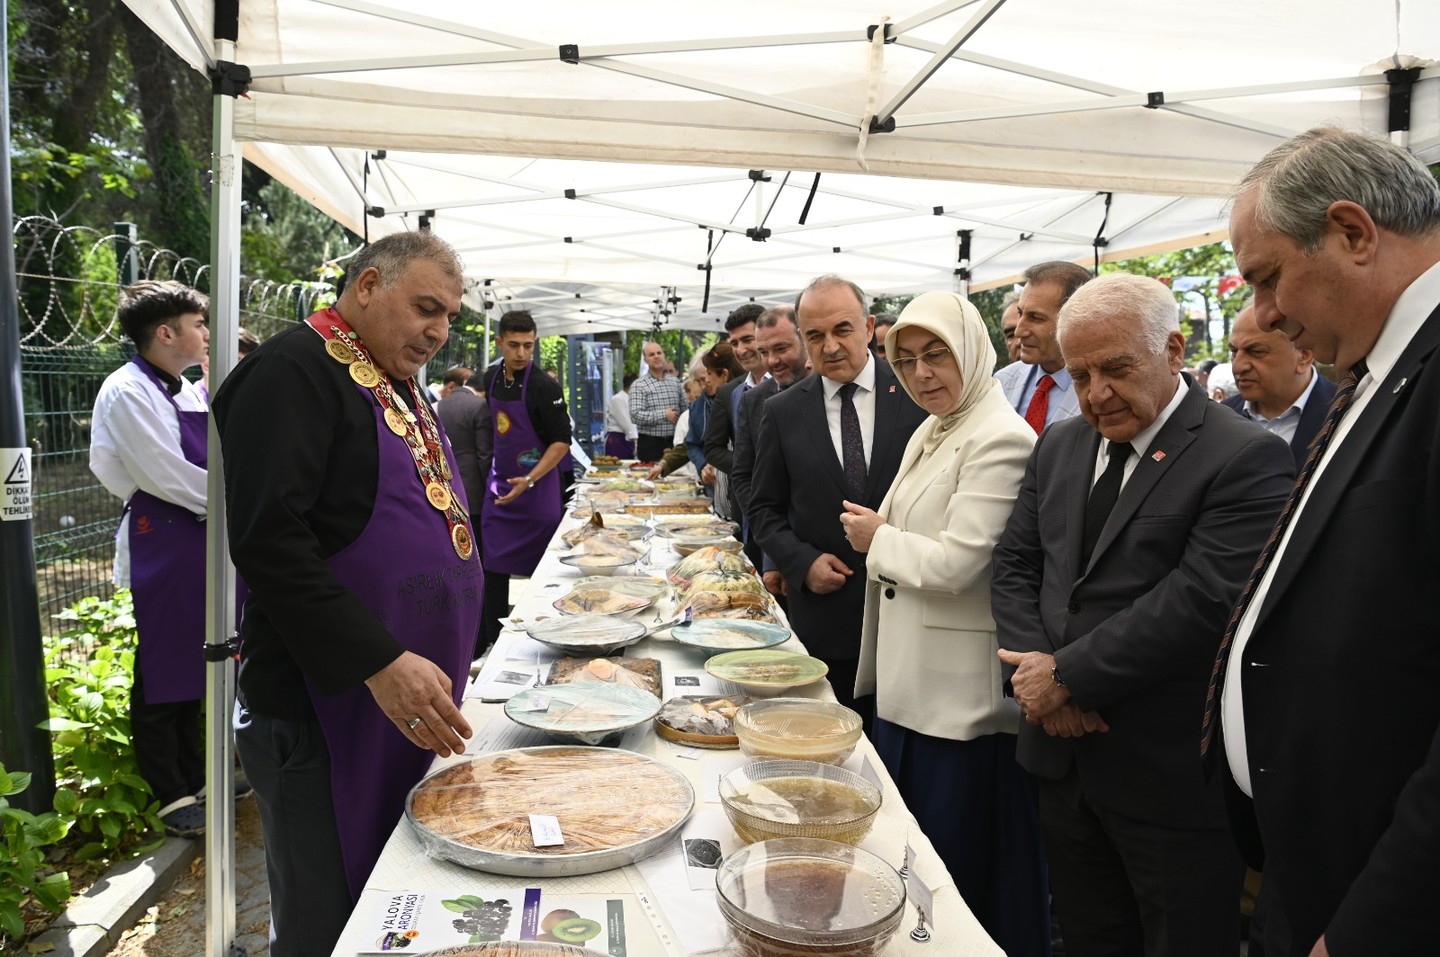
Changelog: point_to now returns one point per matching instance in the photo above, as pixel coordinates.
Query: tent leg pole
(220, 591)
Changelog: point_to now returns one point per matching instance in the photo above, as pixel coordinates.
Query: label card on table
(545, 830)
(919, 893)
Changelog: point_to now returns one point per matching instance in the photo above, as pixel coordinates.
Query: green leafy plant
(88, 670)
(23, 839)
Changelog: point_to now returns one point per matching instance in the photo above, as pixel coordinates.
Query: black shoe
(187, 820)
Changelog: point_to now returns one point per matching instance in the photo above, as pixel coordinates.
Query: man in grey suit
(834, 437)
(1038, 386)
(1132, 534)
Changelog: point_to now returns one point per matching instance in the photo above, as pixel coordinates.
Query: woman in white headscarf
(944, 727)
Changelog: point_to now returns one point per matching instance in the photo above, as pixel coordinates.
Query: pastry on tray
(636, 672)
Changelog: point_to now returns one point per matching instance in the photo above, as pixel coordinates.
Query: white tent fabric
(1036, 125)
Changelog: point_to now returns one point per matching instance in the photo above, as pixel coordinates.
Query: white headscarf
(954, 321)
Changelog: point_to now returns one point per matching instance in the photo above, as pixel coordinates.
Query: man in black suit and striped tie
(834, 437)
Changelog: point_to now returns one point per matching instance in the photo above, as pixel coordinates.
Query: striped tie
(1343, 395)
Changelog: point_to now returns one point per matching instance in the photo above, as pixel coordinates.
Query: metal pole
(23, 704)
(220, 587)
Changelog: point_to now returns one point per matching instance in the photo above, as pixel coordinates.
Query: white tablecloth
(404, 864)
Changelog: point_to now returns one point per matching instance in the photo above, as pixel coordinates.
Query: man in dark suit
(834, 437)
(725, 407)
(778, 343)
(1329, 710)
(1280, 390)
(1135, 525)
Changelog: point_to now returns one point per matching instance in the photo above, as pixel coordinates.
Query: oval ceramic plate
(717, 635)
(768, 671)
(582, 713)
(586, 634)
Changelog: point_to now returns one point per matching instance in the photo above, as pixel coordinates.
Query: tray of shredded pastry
(613, 808)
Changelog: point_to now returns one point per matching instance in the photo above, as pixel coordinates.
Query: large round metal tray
(586, 787)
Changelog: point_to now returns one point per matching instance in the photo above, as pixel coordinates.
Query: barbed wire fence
(69, 280)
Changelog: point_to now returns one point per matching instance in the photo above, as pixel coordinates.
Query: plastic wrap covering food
(603, 502)
(599, 600)
(687, 531)
(769, 799)
(798, 896)
(716, 635)
(668, 506)
(708, 559)
(705, 721)
(601, 525)
(586, 634)
(513, 948)
(613, 808)
(582, 713)
(799, 728)
(735, 604)
(767, 672)
(635, 672)
(641, 586)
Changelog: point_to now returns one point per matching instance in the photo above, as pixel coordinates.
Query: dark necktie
(1040, 404)
(1103, 497)
(851, 444)
(1341, 402)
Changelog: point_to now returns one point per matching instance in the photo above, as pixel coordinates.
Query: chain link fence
(69, 281)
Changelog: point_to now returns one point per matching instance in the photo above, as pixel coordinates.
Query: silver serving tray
(553, 864)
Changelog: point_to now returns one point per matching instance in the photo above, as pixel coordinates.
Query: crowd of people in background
(1117, 627)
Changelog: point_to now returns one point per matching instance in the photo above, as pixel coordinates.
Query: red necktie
(1040, 403)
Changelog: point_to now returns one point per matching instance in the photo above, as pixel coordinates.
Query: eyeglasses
(933, 360)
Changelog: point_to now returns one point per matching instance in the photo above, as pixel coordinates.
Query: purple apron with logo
(167, 575)
(515, 535)
(404, 569)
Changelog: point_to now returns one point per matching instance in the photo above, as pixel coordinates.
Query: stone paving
(175, 926)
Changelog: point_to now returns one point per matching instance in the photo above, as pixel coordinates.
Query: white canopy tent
(558, 142)
(1034, 129)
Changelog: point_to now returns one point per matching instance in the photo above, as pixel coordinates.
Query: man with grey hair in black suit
(1131, 537)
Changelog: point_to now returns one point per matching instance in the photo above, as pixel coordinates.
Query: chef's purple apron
(167, 574)
(617, 445)
(405, 570)
(516, 534)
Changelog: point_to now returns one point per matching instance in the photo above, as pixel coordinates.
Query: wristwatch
(529, 482)
(1055, 675)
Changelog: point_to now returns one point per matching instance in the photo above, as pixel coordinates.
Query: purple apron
(516, 535)
(167, 575)
(617, 445)
(404, 569)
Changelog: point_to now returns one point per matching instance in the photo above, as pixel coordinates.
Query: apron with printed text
(403, 568)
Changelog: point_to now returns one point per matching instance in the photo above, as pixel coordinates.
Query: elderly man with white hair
(1135, 526)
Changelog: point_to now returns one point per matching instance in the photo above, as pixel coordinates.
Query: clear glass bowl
(802, 729)
(769, 799)
(790, 896)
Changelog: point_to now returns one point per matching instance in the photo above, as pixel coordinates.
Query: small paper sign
(545, 830)
(537, 702)
(921, 896)
(867, 771)
(909, 858)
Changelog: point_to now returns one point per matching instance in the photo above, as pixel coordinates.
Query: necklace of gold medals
(421, 435)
